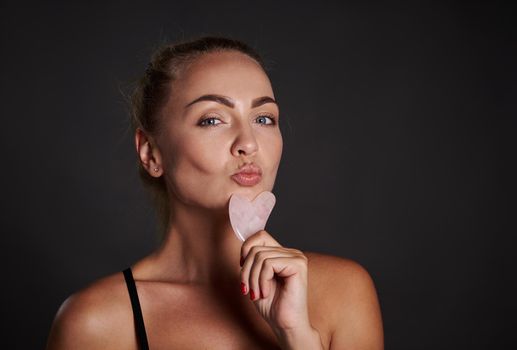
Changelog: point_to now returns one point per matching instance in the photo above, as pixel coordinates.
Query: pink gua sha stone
(248, 217)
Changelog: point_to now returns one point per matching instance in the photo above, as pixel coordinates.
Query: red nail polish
(243, 288)
(252, 295)
(242, 261)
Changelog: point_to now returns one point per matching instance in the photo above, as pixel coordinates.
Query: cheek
(197, 153)
(270, 155)
(279, 146)
(195, 169)
(274, 149)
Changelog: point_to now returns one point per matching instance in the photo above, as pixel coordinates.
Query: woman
(204, 110)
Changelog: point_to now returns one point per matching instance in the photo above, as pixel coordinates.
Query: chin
(250, 192)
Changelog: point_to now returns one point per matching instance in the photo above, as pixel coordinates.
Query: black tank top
(137, 311)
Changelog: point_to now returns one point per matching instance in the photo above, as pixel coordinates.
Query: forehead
(229, 73)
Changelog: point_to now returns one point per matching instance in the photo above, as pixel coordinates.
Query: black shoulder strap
(137, 311)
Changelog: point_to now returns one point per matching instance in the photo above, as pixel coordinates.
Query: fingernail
(242, 261)
(252, 295)
(243, 288)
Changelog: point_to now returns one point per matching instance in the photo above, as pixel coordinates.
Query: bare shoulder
(98, 316)
(325, 267)
(344, 291)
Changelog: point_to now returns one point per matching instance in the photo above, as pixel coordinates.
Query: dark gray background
(399, 151)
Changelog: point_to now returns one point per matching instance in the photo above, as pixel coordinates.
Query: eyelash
(273, 119)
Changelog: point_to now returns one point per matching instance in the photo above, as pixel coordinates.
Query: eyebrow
(229, 102)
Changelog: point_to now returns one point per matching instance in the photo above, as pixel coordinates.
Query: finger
(257, 267)
(248, 263)
(279, 268)
(260, 238)
(267, 275)
(297, 263)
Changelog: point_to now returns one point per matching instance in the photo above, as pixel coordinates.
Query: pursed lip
(249, 169)
(248, 175)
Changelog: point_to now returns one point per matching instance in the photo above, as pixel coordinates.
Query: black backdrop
(399, 151)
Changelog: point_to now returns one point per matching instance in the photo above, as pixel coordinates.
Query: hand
(276, 278)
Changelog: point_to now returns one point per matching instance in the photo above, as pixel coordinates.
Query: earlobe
(148, 154)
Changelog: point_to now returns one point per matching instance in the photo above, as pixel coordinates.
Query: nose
(245, 142)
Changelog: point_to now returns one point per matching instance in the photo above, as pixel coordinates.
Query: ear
(149, 153)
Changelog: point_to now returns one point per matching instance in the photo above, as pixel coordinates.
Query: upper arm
(357, 315)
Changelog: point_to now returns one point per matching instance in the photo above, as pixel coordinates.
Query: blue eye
(273, 122)
(205, 122)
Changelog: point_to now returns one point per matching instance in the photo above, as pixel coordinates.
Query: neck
(199, 247)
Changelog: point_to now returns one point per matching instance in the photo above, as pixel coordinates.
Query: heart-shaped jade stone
(248, 217)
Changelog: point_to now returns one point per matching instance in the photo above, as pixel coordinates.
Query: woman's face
(204, 142)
